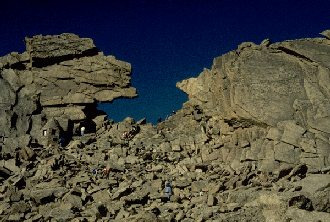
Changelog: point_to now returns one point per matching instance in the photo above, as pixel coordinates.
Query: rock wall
(251, 144)
(60, 77)
(283, 87)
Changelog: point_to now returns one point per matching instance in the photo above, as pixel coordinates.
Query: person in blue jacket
(61, 141)
(168, 189)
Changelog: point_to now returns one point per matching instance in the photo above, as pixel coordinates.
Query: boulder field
(250, 144)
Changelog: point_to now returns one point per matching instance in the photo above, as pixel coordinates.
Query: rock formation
(59, 78)
(251, 144)
(282, 86)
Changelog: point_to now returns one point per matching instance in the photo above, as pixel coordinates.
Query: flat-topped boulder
(50, 46)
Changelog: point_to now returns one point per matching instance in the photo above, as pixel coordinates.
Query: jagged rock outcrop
(267, 83)
(224, 163)
(59, 76)
(282, 88)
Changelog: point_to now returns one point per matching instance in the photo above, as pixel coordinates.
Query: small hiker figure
(173, 112)
(107, 171)
(61, 141)
(161, 133)
(168, 189)
(82, 131)
(200, 194)
(94, 172)
(159, 120)
(126, 135)
(132, 133)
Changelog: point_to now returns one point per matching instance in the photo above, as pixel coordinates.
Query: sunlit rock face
(268, 83)
(59, 76)
(251, 144)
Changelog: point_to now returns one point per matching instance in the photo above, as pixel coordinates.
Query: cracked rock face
(268, 83)
(224, 160)
(59, 76)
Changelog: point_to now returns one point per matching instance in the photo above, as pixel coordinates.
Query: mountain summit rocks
(251, 144)
(59, 76)
(268, 83)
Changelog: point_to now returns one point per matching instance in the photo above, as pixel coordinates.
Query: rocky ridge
(251, 144)
(59, 78)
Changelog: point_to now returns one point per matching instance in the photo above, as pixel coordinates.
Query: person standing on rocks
(61, 141)
(168, 189)
(133, 132)
(94, 172)
(160, 132)
(82, 131)
(107, 171)
(126, 135)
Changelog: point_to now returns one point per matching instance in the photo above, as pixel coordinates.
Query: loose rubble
(222, 164)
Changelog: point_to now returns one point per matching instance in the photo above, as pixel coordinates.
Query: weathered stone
(268, 165)
(313, 183)
(284, 153)
(322, 147)
(312, 160)
(244, 126)
(274, 134)
(292, 133)
(63, 212)
(48, 195)
(326, 34)
(26, 153)
(16, 217)
(321, 201)
(74, 75)
(165, 147)
(231, 183)
(122, 214)
(20, 207)
(121, 191)
(10, 165)
(308, 145)
(211, 201)
(181, 183)
(102, 196)
(303, 215)
(266, 42)
(13, 194)
(301, 202)
(176, 148)
(197, 186)
(74, 200)
(59, 45)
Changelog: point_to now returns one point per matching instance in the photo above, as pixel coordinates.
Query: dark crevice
(29, 120)
(39, 107)
(244, 123)
(100, 85)
(14, 120)
(44, 62)
(142, 201)
(65, 78)
(18, 66)
(91, 111)
(47, 199)
(4, 172)
(68, 105)
(294, 53)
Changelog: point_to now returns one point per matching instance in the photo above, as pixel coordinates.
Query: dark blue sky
(165, 41)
